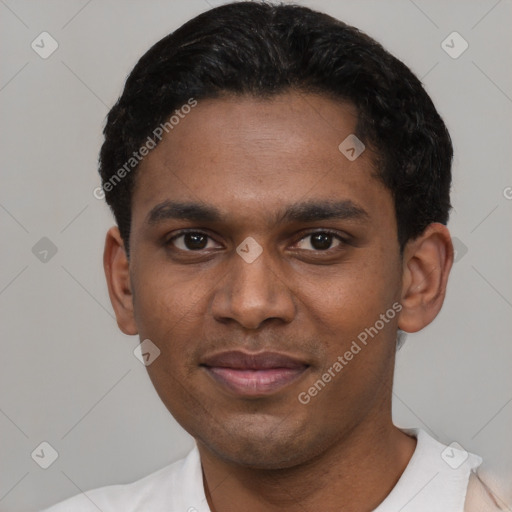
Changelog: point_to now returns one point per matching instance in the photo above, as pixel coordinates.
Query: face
(259, 254)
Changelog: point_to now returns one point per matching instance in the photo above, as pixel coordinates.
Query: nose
(253, 292)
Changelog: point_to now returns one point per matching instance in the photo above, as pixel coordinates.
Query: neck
(354, 475)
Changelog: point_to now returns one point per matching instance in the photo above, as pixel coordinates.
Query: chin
(259, 448)
(260, 456)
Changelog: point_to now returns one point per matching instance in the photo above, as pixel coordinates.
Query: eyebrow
(311, 211)
(308, 211)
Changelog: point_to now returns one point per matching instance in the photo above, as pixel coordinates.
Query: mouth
(254, 375)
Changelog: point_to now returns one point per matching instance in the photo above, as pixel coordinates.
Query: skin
(251, 159)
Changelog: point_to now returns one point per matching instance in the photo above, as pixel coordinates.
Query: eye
(320, 241)
(191, 241)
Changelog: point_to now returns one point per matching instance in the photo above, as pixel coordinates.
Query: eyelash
(334, 234)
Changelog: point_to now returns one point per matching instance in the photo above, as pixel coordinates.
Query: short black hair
(261, 49)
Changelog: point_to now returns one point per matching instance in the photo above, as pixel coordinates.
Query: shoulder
(479, 497)
(175, 487)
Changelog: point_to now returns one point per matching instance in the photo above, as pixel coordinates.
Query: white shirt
(435, 480)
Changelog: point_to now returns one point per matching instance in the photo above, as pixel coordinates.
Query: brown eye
(192, 241)
(319, 241)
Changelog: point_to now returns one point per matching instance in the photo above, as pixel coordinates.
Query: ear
(427, 261)
(117, 272)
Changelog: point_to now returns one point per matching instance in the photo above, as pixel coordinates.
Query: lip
(254, 374)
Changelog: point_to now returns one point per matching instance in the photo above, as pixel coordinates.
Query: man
(281, 190)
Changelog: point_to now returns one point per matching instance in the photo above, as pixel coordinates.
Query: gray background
(69, 377)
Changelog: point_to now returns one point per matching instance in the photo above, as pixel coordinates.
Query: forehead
(256, 154)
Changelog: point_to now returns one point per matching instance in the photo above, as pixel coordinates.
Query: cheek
(359, 343)
(352, 296)
(166, 308)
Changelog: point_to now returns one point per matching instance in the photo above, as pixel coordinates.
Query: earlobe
(427, 262)
(117, 273)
